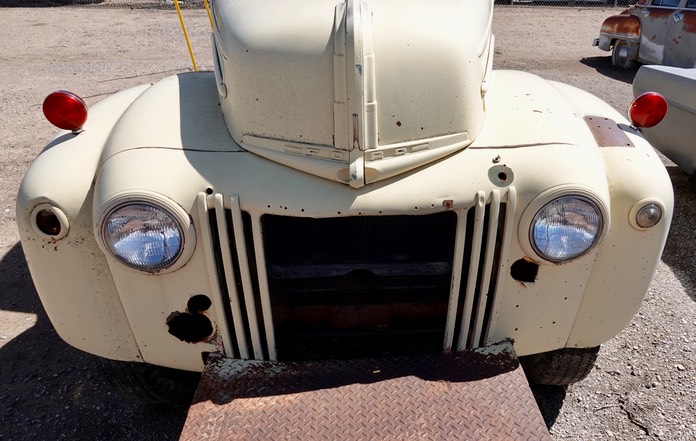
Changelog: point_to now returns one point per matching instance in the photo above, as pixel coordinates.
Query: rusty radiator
(304, 288)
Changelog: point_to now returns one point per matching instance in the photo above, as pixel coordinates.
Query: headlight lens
(566, 228)
(143, 236)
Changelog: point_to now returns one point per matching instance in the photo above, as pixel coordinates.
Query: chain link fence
(194, 4)
(132, 4)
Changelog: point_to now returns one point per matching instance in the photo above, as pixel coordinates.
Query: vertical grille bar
(487, 266)
(510, 208)
(245, 275)
(264, 291)
(457, 263)
(472, 273)
(208, 244)
(230, 277)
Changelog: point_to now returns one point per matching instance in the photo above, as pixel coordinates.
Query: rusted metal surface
(607, 132)
(473, 395)
(626, 27)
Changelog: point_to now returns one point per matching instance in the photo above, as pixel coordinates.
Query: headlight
(143, 236)
(566, 228)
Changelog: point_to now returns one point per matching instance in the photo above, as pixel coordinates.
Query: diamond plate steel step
(472, 395)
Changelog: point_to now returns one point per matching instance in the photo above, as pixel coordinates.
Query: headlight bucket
(146, 232)
(563, 224)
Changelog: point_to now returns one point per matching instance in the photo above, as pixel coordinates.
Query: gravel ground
(642, 388)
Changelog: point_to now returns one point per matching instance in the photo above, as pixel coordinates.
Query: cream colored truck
(352, 179)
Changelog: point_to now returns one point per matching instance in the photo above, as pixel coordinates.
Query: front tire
(620, 55)
(560, 367)
(151, 384)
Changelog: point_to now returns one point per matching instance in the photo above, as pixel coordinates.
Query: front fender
(611, 299)
(83, 306)
(619, 27)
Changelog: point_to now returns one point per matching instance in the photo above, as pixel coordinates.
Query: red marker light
(647, 110)
(65, 110)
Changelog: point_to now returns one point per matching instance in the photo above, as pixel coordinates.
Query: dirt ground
(645, 379)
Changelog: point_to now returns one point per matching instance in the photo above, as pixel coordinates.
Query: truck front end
(353, 181)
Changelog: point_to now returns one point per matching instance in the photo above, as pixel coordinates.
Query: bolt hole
(198, 303)
(503, 176)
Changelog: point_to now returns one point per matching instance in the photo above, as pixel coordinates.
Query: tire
(560, 367)
(151, 384)
(620, 55)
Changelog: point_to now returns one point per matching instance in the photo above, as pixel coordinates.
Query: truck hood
(352, 91)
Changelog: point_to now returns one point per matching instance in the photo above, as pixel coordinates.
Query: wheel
(149, 383)
(620, 55)
(560, 367)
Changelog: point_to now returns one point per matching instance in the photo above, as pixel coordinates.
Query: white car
(352, 179)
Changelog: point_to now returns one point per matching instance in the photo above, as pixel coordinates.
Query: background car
(674, 135)
(651, 32)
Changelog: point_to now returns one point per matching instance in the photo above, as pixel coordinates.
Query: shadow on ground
(603, 66)
(550, 401)
(51, 391)
(678, 253)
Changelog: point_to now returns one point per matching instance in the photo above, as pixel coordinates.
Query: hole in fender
(192, 326)
(524, 271)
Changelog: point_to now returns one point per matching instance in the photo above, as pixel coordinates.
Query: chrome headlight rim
(526, 227)
(159, 202)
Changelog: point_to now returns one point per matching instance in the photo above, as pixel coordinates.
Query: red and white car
(651, 32)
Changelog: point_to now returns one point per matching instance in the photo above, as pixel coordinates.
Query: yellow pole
(186, 37)
(210, 17)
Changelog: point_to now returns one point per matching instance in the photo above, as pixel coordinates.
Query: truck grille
(307, 288)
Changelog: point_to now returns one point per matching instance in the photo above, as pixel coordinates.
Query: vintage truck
(353, 179)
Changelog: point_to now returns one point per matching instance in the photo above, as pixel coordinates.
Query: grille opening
(359, 286)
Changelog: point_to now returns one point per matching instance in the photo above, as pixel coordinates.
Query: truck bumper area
(475, 394)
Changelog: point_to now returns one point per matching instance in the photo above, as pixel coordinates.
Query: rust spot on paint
(689, 22)
(448, 203)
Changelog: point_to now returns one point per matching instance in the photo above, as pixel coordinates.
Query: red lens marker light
(647, 110)
(65, 110)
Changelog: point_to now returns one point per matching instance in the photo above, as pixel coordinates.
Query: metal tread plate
(472, 395)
